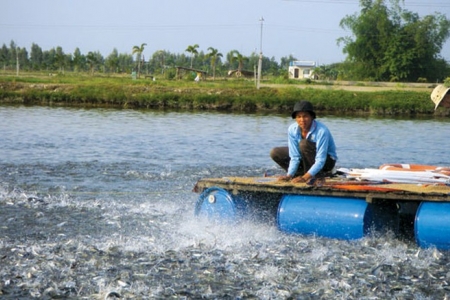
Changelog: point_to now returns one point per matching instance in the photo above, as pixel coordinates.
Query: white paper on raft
(396, 176)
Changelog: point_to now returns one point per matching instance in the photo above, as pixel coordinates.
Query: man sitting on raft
(311, 151)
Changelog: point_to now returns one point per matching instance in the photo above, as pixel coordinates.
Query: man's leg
(308, 150)
(280, 155)
(327, 169)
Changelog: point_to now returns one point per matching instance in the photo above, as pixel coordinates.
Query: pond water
(98, 203)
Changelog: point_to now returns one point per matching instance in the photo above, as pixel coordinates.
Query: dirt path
(363, 87)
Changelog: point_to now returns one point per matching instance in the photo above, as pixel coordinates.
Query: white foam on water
(224, 236)
(167, 228)
(269, 273)
(319, 254)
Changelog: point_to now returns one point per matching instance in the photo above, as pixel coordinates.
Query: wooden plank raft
(335, 187)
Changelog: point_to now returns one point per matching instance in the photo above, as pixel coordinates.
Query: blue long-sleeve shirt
(325, 145)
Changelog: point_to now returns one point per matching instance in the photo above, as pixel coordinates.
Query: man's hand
(298, 179)
(304, 178)
(284, 178)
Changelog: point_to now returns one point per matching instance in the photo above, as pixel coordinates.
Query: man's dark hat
(303, 106)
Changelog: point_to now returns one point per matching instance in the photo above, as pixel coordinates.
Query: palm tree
(240, 59)
(213, 54)
(193, 50)
(138, 50)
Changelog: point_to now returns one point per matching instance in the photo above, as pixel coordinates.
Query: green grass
(229, 94)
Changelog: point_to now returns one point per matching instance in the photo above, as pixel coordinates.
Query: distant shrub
(447, 81)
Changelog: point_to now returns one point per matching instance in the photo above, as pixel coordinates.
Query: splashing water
(100, 219)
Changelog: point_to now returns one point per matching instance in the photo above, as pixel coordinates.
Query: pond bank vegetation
(235, 95)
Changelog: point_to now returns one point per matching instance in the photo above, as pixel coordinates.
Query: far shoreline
(232, 95)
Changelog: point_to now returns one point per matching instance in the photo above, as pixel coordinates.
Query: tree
(236, 56)
(326, 72)
(193, 51)
(158, 61)
(213, 54)
(13, 53)
(112, 61)
(92, 61)
(138, 51)
(270, 65)
(125, 61)
(49, 59)
(4, 54)
(391, 43)
(36, 57)
(286, 60)
(22, 55)
(79, 60)
(61, 59)
(372, 29)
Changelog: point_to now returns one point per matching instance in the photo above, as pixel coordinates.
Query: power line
(353, 2)
(125, 27)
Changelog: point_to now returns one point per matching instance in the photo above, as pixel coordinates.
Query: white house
(301, 69)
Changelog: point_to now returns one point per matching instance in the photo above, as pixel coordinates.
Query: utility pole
(258, 83)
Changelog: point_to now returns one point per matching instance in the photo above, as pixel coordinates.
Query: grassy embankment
(221, 94)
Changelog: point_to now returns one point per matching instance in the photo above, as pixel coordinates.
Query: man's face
(304, 120)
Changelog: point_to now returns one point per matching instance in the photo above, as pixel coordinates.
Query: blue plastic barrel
(217, 204)
(332, 217)
(432, 225)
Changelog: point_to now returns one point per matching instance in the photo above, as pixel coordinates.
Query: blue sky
(307, 29)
